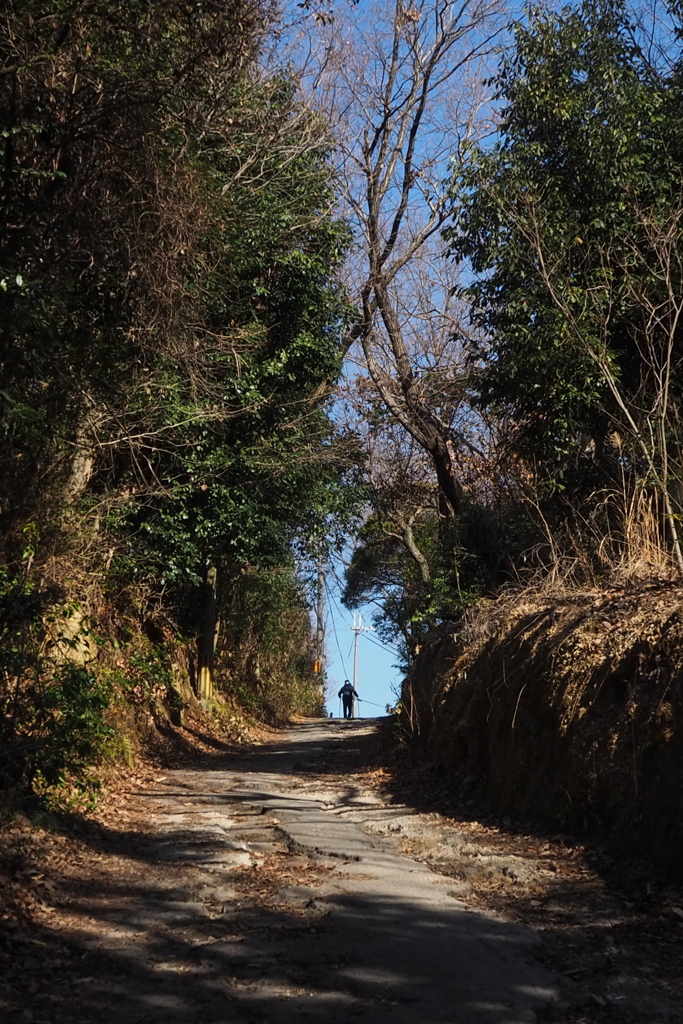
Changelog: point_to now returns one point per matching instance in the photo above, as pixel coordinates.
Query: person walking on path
(347, 693)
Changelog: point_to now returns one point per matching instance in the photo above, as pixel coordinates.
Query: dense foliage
(566, 225)
(170, 333)
(571, 226)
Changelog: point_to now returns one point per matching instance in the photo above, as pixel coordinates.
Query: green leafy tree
(170, 322)
(570, 223)
(96, 102)
(238, 449)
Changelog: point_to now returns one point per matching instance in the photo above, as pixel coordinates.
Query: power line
(340, 583)
(334, 627)
(332, 597)
(382, 646)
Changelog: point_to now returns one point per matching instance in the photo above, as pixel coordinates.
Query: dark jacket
(347, 691)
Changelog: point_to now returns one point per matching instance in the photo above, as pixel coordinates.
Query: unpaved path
(284, 887)
(255, 894)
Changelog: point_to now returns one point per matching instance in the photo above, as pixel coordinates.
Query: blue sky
(376, 672)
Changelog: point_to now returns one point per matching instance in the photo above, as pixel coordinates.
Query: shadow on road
(161, 925)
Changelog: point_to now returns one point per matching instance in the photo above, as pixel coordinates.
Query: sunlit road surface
(365, 934)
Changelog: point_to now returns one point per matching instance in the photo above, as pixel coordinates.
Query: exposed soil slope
(566, 712)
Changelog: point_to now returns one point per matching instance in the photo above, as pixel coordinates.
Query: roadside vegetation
(551, 367)
(170, 335)
(271, 277)
(517, 197)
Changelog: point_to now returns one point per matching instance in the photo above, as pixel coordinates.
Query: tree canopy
(570, 223)
(171, 329)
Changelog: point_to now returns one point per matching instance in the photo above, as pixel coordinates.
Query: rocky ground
(317, 880)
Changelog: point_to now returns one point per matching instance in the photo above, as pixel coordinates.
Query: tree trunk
(320, 623)
(208, 635)
(443, 457)
(421, 561)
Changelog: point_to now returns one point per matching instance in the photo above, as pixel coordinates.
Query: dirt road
(280, 888)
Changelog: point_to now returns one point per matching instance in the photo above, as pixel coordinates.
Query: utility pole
(320, 622)
(357, 628)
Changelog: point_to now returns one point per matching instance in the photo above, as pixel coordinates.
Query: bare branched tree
(405, 84)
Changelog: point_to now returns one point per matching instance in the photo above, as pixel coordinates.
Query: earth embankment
(564, 711)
